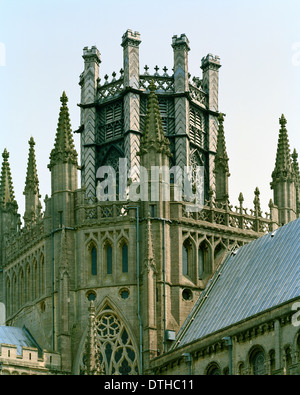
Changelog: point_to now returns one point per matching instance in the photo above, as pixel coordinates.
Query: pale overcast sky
(258, 41)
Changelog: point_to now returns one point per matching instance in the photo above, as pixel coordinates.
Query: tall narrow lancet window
(108, 259)
(94, 261)
(200, 262)
(185, 260)
(125, 258)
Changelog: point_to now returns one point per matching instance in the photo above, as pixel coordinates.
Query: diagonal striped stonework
(210, 66)
(212, 142)
(130, 44)
(88, 82)
(181, 82)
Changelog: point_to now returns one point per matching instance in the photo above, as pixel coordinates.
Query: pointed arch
(42, 273)
(220, 251)
(118, 351)
(188, 257)
(123, 255)
(108, 257)
(204, 258)
(92, 257)
(8, 296)
(22, 287)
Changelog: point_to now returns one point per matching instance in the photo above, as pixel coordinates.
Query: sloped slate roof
(19, 337)
(261, 275)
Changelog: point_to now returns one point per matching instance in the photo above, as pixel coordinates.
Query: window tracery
(117, 352)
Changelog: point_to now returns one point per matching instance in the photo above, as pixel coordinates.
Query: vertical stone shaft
(130, 44)
(181, 86)
(88, 83)
(210, 67)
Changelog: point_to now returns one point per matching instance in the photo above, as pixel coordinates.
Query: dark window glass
(94, 261)
(109, 259)
(125, 258)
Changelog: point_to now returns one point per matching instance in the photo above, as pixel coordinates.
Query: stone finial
(64, 148)
(241, 198)
(282, 121)
(256, 202)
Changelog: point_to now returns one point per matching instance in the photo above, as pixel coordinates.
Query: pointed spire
(93, 367)
(221, 153)
(153, 136)
(32, 182)
(283, 164)
(64, 148)
(7, 195)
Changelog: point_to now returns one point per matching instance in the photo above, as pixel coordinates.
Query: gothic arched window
(213, 370)
(258, 363)
(118, 354)
(125, 258)
(188, 266)
(185, 260)
(200, 262)
(94, 261)
(108, 259)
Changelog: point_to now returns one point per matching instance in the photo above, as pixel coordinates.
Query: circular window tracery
(117, 353)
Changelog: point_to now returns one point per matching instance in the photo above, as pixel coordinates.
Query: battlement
(133, 38)
(210, 59)
(28, 362)
(182, 40)
(91, 54)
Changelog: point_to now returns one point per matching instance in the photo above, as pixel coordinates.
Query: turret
(181, 49)
(210, 67)
(130, 43)
(31, 191)
(88, 81)
(284, 178)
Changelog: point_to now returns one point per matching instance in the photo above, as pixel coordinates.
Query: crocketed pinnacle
(296, 164)
(32, 181)
(93, 367)
(221, 157)
(6, 187)
(153, 136)
(283, 164)
(64, 149)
